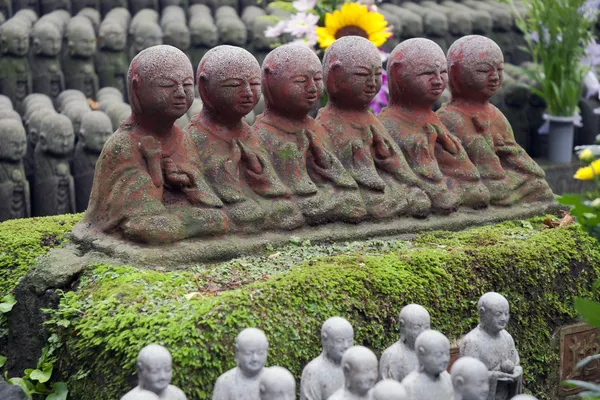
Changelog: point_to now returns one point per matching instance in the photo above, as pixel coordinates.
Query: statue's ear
(71, 46)
(459, 383)
(36, 47)
(267, 74)
(43, 141)
(346, 368)
(332, 80)
(136, 106)
(481, 311)
(262, 388)
(421, 350)
(203, 90)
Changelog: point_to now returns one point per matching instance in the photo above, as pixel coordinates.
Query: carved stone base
(205, 250)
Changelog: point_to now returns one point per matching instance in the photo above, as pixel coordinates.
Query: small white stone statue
(243, 381)
(360, 374)
(430, 381)
(277, 383)
(490, 343)
(324, 375)
(389, 389)
(470, 379)
(155, 370)
(400, 359)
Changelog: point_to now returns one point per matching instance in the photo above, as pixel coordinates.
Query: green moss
(290, 292)
(23, 240)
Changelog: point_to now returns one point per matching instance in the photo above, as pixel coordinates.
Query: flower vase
(560, 139)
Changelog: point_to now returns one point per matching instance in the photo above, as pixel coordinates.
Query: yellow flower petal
(588, 173)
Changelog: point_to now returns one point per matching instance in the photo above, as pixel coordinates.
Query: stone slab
(576, 343)
(207, 250)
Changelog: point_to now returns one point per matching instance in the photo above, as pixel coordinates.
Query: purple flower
(590, 10)
(275, 30)
(301, 24)
(592, 54)
(546, 37)
(381, 98)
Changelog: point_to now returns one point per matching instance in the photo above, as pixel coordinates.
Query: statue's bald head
(433, 352)
(349, 51)
(389, 389)
(154, 368)
(153, 69)
(360, 370)
(151, 354)
(12, 137)
(470, 378)
(337, 335)
(277, 383)
(222, 62)
(413, 320)
(251, 348)
(494, 312)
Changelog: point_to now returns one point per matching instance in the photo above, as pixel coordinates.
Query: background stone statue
(78, 66)
(146, 180)
(352, 72)
(244, 380)
(146, 34)
(417, 72)
(400, 359)
(470, 379)
(154, 371)
(292, 82)
(204, 35)
(33, 125)
(389, 389)
(46, 69)
(324, 375)
(277, 383)
(360, 374)
(476, 65)
(14, 187)
(430, 381)
(490, 343)
(15, 73)
(54, 191)
(111, 60)
(96, 127)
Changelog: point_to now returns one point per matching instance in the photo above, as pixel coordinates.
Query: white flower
(304, 5)
(301, 24)
(275, 30)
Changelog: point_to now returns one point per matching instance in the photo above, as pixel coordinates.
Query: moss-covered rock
(115, 310)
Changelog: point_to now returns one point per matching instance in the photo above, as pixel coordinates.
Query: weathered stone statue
(400, 359)
(244, 380)
(389, 389)
(46, 70)
(14, 188)
(54, 191)
(155, 370)
(352, 72)
(298, 146)
(277, 383)
(231, 29)
(417, 72)
(66, 96)
(111, 59)
(78, 65)
(15, 73)
(360, 374)
(146, 34)
(430, 381)
(490, 343)
(470, 379)
(475, 66)
(203, 35)
(96, 127)
(6, 102)
(177, 35)
(9, 113)
(324, 375)
(145, 179)
(75, 112)
(235, 164)
(33, 125)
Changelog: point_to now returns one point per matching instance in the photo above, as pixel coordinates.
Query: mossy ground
(289, 292)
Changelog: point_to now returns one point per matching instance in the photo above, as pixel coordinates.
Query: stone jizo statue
(154, 370)
(470, 379)
(277, 383)
(352, 72)
(111, 59)
(292, 82)
(418, 75)
(146, 179)
(244, 380)
(430, 381)
(324, 375)
(400, 359)
(145, 35)
(96, 128)
(78, 66)
(54, 190)
(475, 65)
(46, 69)
(490, 343)
(238, 167)
(14, 187)
(15, 73)
(360, 374)
(389, 389)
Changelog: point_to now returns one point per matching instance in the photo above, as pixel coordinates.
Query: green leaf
(589, 310)
(7, 304)
(25, 385)
(526, 225)
(60, 392)
(42, 375)
(582, 384)
(2, 360)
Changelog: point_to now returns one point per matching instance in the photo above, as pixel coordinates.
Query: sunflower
(353, 20)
